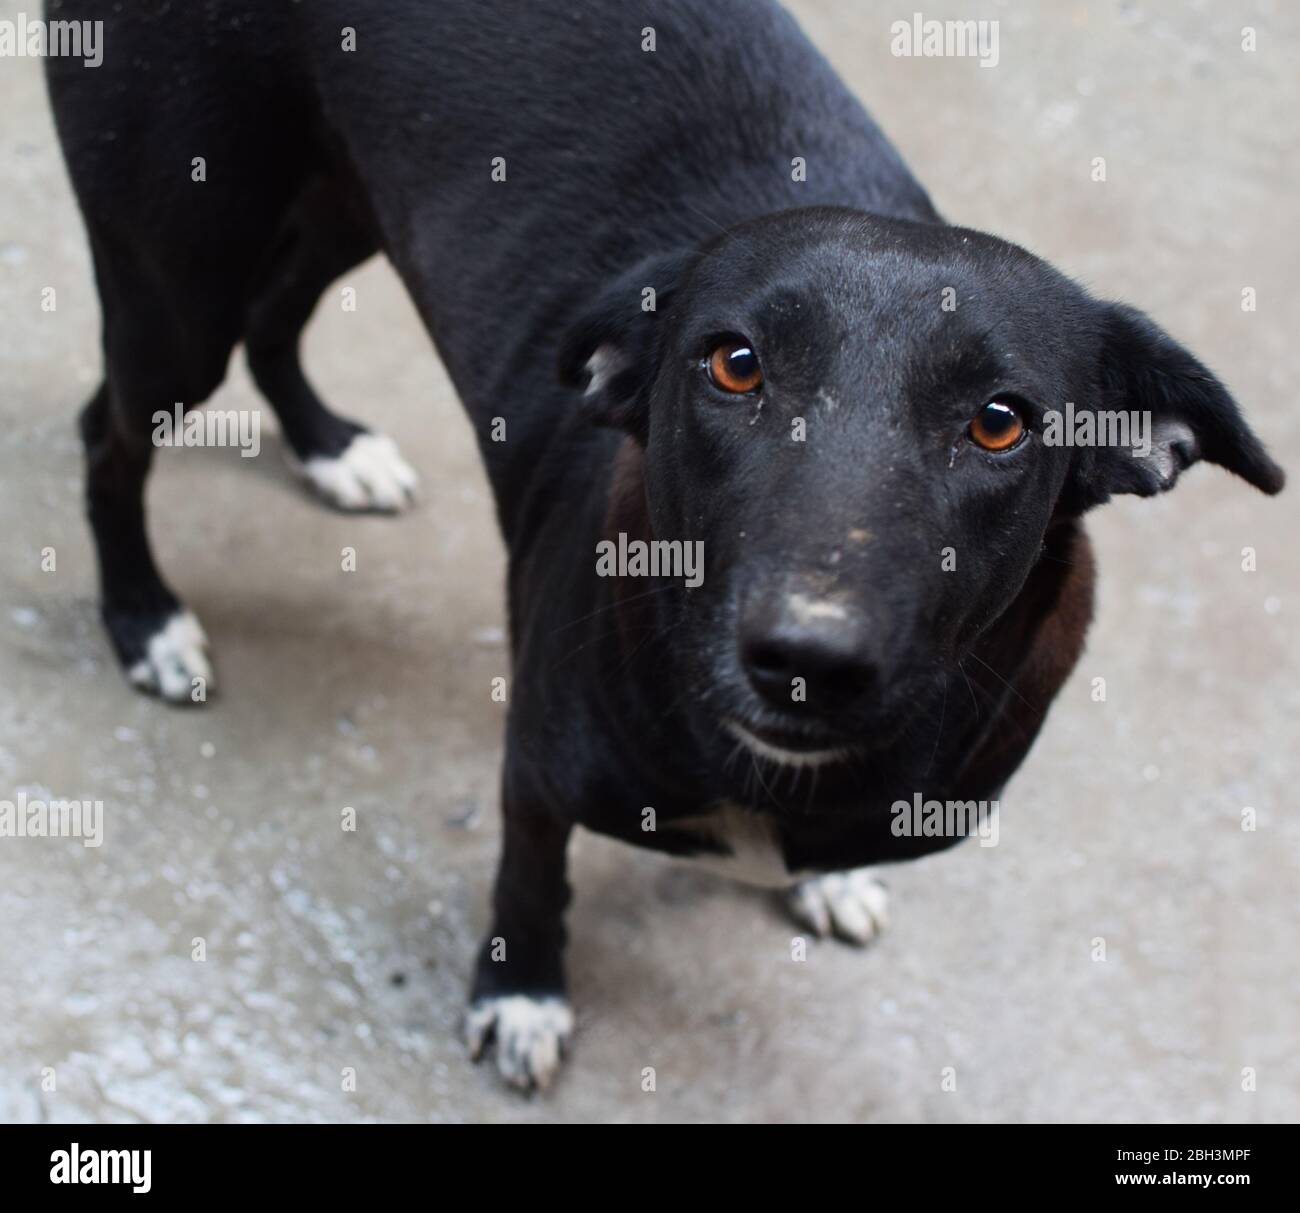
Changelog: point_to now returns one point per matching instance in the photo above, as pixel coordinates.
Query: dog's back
(542, 145)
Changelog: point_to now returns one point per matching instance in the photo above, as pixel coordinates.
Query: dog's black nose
(803, 654)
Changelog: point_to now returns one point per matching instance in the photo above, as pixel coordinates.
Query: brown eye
(997, 426)
(733, 367)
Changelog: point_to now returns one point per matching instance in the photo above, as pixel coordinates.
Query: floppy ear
(1190, 414)
(612, 351)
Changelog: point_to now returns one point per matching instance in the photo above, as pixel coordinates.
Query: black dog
(792, 361)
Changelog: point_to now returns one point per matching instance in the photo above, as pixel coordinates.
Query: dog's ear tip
(1256, 467)
(1271, 477)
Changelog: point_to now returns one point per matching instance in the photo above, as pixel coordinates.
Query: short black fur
(627, 169)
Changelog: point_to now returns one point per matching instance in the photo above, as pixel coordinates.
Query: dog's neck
(627, 512)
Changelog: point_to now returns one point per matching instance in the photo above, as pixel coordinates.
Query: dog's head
(870, 426)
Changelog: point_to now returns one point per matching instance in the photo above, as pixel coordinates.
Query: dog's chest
(750, 846)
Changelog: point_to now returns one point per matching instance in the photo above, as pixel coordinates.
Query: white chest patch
(754, 849)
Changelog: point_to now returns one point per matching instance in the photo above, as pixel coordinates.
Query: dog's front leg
(518, 995)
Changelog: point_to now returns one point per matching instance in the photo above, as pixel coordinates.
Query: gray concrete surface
(328, 950)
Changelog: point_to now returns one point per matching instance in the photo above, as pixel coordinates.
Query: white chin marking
(175, 655)
(530, 1034)
(853, 905)
(785, 758)
(369, 475)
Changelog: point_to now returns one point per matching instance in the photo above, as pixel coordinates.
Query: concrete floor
(328, 950)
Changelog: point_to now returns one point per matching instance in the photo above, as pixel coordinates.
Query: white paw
(174, 657)
(851, 905)
(530, 1034)
(369, 475)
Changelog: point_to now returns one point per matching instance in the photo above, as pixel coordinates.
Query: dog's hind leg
(346, 464)
(157, 354)
(160, 644)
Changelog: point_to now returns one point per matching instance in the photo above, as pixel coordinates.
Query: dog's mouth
(788, 747)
